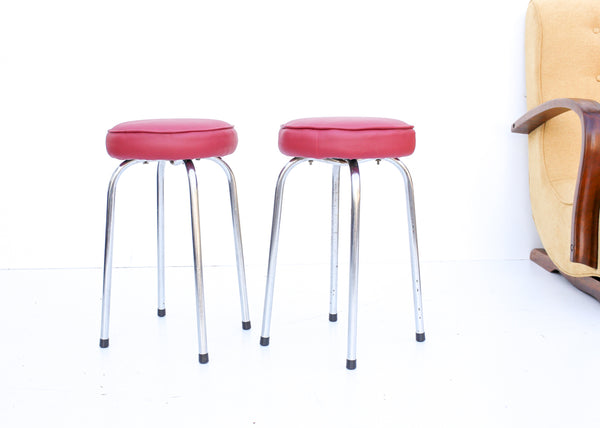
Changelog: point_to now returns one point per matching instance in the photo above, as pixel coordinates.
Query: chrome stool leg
(108, 249)
(160, 236)
(335, 218)
(414, 249)
(195, 213)
(266, 324)
(353, 276)
(237, 232)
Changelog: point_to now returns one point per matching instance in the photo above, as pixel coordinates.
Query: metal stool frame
(195, 221)
(354, 248)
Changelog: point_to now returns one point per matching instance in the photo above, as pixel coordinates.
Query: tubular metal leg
(237, 232)
(353, 276)
(108, 249)
(335, 217)
(195, 212)
(266, 324)
(414, 249)
(160, 236)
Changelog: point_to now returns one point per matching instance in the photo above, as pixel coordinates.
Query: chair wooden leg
(586, 204)
(589, 284)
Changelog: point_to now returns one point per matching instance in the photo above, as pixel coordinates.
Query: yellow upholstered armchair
(562, 48)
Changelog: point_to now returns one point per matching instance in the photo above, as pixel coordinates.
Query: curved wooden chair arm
(539, 115)
(586, 204)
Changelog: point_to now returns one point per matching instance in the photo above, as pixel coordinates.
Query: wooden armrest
(586, 204)
(544, 112)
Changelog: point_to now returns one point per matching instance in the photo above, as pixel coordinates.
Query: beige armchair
(562, 48)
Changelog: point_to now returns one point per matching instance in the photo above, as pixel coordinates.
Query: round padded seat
(347, 138)
(171, 139)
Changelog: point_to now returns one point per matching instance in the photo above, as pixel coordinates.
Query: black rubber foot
(161, 312)
(203, 358)
(420, 337)
(333, 317)
(246, 325)
(264, 341)
(104, 343)
(350, 364)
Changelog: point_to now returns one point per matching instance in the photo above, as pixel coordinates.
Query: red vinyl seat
(347, 138)
(171, 139)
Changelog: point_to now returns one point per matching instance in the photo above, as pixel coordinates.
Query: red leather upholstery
(171, 139)
(347, 138)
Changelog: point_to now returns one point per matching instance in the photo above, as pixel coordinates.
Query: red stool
(177, 141)
(340, 141)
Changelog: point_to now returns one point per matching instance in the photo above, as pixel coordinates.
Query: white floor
(508, 345)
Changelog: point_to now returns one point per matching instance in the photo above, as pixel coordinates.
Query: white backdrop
(70, 70)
